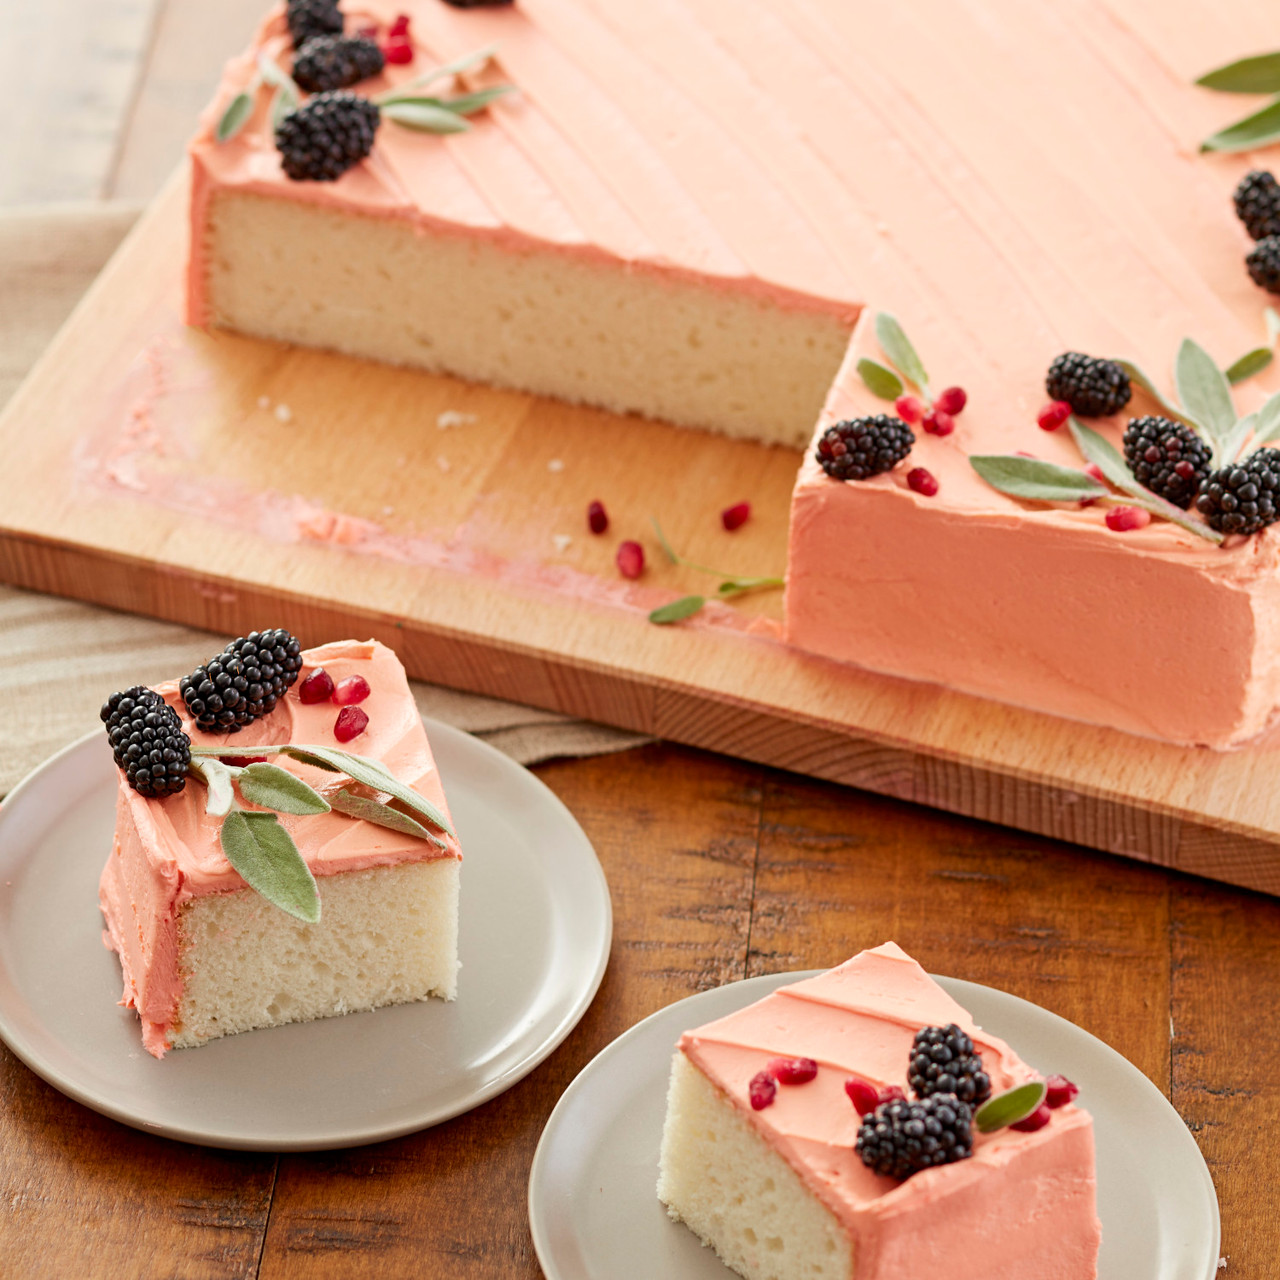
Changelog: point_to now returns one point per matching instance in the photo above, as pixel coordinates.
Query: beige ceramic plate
(535, 932)
(595, 1214)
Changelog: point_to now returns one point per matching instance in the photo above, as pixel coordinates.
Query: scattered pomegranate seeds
(736, 516)
(351, 723)
(1122, 519)
(891, 1093)
(597, 517)
(762, 1090)
(239, 762)
(1096, 472)
(1036, 1120)
(937, 422)
(863, 1095)
(793, 1070)
(630, 559)
(400, 27)
(952, 400)
(909, 409)
(317, 687)
(351, 690)
(1053, 415)
(922, 481)
(1060, 1092)
(397, 52)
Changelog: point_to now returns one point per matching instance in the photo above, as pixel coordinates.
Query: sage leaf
(1034, 479)
(467, 104)
(879, 380)
(425, 116)
(271, 787)
(1267, 424)
(677, 610)
(1234, 443)
(382, 815)
(217, 778)
(285, 102)
(739, 586)
(234, 118)
(1255, 130)
(274, 75)
(897, 346)
(1250, 363)
(468, 62)
(1171, 409)
(1258, 74)
(268, 861)
(1010, 1106)
(1204, 390)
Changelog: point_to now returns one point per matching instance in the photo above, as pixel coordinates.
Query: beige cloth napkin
(59, 659)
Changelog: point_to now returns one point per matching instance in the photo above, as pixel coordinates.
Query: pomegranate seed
(952, 400)
(630, 559)
(351, 690)
(736, 516)
(910, 410)
(597, 517)
(793, 1070)
(1060, 1092)
(762, 1090)
(938, 422)
(397, 52)
(351, 723)
(864, 1097)
(241, 761)
(317, 687)
(890, 1093)
(1036, 1120)
(1053, 415)
(922, 481)
(1096, 472)
(1122, 519)
(400, 27)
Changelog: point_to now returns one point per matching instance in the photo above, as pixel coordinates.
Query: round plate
(535, 929)
(593, 1204)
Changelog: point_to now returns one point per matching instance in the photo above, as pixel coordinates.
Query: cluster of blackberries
(309, 18)
(147, 741)
(1257, 201)
(1243, 497)
(1166, 457)
(243, 683)
(901, 1137)
(1094, 388)
(325, 136)
(864, 447)
(336, 62)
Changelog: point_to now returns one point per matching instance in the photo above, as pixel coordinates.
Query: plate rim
(767, 982)
(31, 1057)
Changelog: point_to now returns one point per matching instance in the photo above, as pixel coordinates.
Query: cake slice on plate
(766, 1152)
(204, 955)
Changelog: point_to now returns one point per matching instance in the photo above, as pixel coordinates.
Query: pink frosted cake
(763, 1147)
(203, 955)
(691, 208)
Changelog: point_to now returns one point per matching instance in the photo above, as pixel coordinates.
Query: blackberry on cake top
(943, 1060)
(336, 62)
(1264, 263)
(1166, 457)
(1257, 201)
(307, 18)
(325, 136)
(900, 1138)
(147, 741)
(860, 448)
(1093, 387)
(243, 683)
(1243, 497)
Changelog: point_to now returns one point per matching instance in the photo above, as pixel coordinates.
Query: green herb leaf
(1255, 130)
(677, 610)
(879, 380)
(217, 777)
(1034, 479)
(273, 74)
(1204, 391)
(425, 116)
(662, 541)
(1259, 74)
(1234, 443)
(286, 100)
(1011, 1106)
(264, 854)
(468, 62)
(1267, 422)
(467, 104)
(234, 118)
(1171, 409)
(738, 586)
(382, 815)
(897, 346)
(1250, 363)
(271, 787)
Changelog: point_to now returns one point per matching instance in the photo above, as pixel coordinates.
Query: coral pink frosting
(167, 851)
(859, 1019)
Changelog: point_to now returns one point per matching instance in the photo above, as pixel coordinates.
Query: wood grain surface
(719, 869)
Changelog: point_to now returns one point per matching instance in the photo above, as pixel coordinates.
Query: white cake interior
(388, 935)
(534, 321)
(720, 1178)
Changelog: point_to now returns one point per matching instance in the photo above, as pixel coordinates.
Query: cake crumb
(283, 413)
(562, 541)
(556, 464)
(452, 418)
(264, 402)
(443, 463)
(1222, 1264)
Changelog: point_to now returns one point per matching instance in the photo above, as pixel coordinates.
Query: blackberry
(1243, 497)
(1258, 204)
(864, 447)
(307, 18)
(1166, 457)
(943, 1061)
(334, 62)
(147, 741)
(325, 136)
(243, 683)
(1264, 263)
(900, 1138)
(1094, 388)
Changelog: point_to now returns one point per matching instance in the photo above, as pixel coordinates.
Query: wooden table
(719, 870)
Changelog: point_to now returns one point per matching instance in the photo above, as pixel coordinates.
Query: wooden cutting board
(230, 483)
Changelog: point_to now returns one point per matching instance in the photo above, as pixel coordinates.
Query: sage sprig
(1010, 1106)
(1254, 75)
(687, 606)
(904, 357)
(240, 108)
